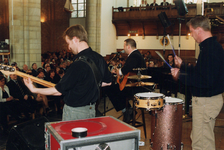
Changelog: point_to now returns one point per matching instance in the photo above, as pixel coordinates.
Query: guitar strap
(95, 70)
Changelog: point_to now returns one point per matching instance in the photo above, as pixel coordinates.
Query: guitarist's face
(125, 47)
(71, 45)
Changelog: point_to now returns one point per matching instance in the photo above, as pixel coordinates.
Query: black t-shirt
(78, 84)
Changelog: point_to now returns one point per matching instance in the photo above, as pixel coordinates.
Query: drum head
(173, 100)
(148, 95)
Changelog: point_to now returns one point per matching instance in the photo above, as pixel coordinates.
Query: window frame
(77, 9)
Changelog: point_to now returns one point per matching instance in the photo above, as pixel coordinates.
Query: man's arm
(43, 91)
(105, 84)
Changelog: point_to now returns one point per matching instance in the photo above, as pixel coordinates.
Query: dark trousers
(119, 98)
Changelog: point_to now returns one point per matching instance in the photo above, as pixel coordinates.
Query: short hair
(170, 55)
(39, 70)
(2, 77)
(61, 71)
(50, 71)
(33, 64)
(130, 42)
(200, 21)
(76, 31)
(13, 64)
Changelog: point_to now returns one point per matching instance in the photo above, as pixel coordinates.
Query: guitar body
(122, 81)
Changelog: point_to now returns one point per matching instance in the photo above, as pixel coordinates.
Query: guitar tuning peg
(2, 67)
(6, 68)
(11, 69)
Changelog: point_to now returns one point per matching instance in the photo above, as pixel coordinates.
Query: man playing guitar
(118, 96)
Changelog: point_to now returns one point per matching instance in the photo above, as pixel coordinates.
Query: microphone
(120, 52)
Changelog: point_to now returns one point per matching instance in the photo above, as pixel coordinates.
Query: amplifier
(103, 133)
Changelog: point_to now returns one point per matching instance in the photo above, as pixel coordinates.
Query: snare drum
(149, 100)
(166, 125)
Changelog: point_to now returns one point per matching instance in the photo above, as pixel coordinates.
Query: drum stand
(139, 124)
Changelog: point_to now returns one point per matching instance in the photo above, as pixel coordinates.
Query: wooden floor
(186, 128)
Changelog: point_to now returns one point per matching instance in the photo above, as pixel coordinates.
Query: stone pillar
(25, 31)
(93, 23)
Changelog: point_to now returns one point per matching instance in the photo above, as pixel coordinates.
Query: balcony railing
(152, 12)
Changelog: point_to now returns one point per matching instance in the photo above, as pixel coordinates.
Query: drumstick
(171, 45)
(163, 59)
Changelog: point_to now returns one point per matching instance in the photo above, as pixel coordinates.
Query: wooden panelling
(4, 20)
(186, 55)
(145, 21)
(56, 22)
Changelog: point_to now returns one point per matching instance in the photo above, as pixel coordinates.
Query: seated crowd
(18, 102)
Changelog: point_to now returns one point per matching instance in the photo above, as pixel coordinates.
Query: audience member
(7, 105)
(25, 68)
(34, 69)
(164, 3)
(170, 60)
(153, 5)
(19, 91)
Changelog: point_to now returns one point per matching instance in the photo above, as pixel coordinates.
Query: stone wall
(25, 32)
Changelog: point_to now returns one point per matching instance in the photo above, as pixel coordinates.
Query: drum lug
(182, 145)
(175, 107)
(169, 146)
(151, 143)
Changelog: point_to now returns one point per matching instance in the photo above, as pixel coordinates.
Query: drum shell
(150, 101)
(166, 127)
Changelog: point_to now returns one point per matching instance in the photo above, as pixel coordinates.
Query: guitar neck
(34, 79)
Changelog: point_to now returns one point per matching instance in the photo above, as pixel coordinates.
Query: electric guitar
(7, 70)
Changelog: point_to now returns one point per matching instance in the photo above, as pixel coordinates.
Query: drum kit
(166, 120)
(139, 77)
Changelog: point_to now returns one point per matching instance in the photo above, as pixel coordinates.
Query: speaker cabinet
(164, 20)
(27, 136)
(103, 133)
(181, 7)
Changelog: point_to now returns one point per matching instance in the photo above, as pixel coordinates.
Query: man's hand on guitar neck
(43, 91)
(29, 84)
(118, 72)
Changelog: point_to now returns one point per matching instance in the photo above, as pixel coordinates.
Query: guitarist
(79, 85)
(117, 97)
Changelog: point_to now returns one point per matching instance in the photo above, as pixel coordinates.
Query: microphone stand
(113, 58)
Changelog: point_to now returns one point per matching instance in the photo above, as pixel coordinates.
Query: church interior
(31, 33)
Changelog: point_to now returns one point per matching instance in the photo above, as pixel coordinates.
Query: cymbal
(136, 84)
(137, 77)
(147, 83)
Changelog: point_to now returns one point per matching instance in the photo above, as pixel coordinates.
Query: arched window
(79, 7)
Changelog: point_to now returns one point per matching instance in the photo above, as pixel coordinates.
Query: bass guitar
(7, 70)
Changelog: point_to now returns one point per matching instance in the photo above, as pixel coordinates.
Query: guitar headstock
(7, 70)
